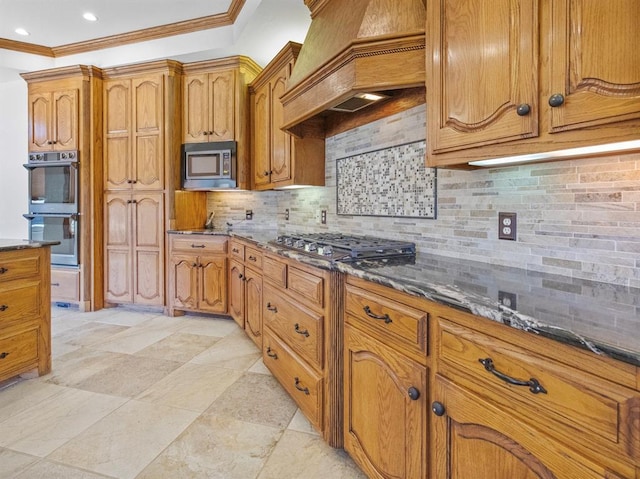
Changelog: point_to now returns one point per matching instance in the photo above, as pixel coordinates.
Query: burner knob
(299, 244)
(63, 155)
(38, 157)
(72, 154)
(325, 250)
(288, 241)
(311, 247)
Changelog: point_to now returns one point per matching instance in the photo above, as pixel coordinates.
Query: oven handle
(30, 216)
(31, 166)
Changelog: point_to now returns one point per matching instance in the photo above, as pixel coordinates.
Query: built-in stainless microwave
(209, 166)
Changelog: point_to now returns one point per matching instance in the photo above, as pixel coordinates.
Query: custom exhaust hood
(354, 51)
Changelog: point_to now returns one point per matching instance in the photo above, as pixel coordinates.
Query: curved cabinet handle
(55, 284)
(273, 309)
(3, 270)
(437, 408)
(270, 353)
(385, 317)
(523, 109)
(252, 258)
(302, 332)
(556, 99)
(3, 355)
(533, 384)
(235, 250)
(4, 307)
(197, 245)
(413, 393)
(300, 388)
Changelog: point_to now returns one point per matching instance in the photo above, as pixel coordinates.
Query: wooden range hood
(353, 47)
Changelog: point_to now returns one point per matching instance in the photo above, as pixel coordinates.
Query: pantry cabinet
(520, 77)
(54, 120)
(280, 159)
(197, 273)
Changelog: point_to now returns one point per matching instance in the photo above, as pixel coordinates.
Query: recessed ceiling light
(90, 17)
(21, 31)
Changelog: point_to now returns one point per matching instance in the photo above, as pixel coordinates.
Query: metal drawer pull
(534, 385)
(3, 270)
(3, 355)
(252, 258)
(304, 332)
(55, 284)
(384, 317)
(4, 307)
(273, 309)
(197, 246)
(297, 385)
(271, 354)
(235, 250)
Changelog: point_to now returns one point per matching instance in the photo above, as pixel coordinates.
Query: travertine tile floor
(139, 395)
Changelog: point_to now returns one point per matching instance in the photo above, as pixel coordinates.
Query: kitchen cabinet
(280, 159)
(385, 390)
(302, 339)
(134, 247)
(25, 313)
(197, 273)
(522, 77)
(245, 289)
(134, 133)
(215, 106)
(53, 121)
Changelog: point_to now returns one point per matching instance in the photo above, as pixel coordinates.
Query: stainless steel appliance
(340, 247)
(209, 166)
(53, 203)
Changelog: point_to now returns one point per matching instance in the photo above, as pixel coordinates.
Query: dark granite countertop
(601, 317)
(13, 244)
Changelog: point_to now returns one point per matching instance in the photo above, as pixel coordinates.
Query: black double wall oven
(53, 203)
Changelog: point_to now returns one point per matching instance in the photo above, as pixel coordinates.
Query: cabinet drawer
(19, 303)
(18, 264)
(274, 271)
(300, 381)
(374, 313)
(306, 285)
(237, 250)
(65, 285)
(253, 257)
(300, 328)
(577, 407)
(199, 244)
(18, 350)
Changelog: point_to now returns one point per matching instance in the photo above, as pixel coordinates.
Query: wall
(13, 176)
(578, 218)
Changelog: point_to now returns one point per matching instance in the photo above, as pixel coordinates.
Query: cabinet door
(474, 438)
(185, 273)
(236, 292)
(222, 102)
(195, 108)
(596, 72)
(117, 134)
(212, 284)
(117, 221)
(280, 141)
(482, 65)
(253, 305)
(148, 248)
(148, 139)
(40, 107)
(385, 429)
(65, 120)
(261, 137)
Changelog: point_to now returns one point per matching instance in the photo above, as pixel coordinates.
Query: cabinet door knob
(556, 99)
(437, 408)
(241, 276)
(413, 393)
(3, 270)
(523, 109)
(3, 355)
(4, 307)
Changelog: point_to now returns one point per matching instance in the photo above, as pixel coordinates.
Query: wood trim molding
(146, 34)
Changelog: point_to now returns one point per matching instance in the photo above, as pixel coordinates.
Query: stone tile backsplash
(578, 218)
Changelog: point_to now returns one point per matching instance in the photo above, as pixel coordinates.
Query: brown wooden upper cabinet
(54, 120)
(209, 106)
(526, 76)
(280, 159)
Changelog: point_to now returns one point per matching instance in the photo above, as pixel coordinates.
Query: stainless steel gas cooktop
(340, 247)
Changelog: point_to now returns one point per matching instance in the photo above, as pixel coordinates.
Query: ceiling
(142, 30)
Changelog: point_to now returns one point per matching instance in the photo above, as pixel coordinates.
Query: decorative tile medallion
(389, 182)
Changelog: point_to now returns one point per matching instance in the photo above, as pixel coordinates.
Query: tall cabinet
(141, 173)
(64, 113)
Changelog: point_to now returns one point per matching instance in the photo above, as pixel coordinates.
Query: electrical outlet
(323, 217)
(507, 299)
(286, 214)
(248, 214)
(507, 226)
